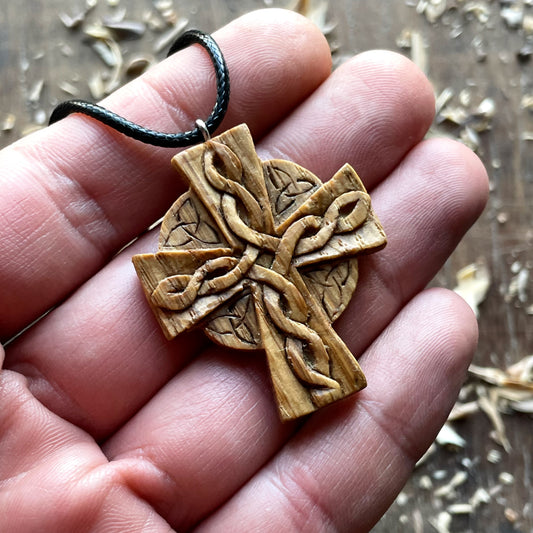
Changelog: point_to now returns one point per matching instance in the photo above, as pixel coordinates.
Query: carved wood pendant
(262, 255)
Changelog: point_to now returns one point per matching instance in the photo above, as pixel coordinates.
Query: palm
(117, 429)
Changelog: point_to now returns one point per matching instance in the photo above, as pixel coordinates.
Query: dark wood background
(35, 45)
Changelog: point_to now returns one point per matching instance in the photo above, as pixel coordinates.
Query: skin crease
(106, 426)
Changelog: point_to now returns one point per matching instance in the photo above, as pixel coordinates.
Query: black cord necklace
(156, 138)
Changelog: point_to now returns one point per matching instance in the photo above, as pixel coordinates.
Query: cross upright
(262, 255)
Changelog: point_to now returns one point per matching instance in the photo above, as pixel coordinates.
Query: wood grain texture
(230, 254)
(31, 27)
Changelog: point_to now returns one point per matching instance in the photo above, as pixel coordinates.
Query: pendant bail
(200, 124)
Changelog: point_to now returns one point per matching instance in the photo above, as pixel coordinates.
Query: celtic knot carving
(261, 254)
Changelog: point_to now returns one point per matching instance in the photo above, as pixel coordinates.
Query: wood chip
(448, 490)
(491, 410)
(460, 508)
(418, 51)
(481, 10)
(463, 410)
(404, 39)
(139, 64)
(527, 102)
(7, 122)
(512, 16)
(68, 88)
(317, 12)
(442, 522)
(480, 496)
(443, 98)
(74, 21)
(518, 286)
(171, 35)
(511, 515)
(105, 52)
(486, 109)
(425, 482)
(473, 283)
(35, 92)
(432, 9)
(126, 29)
(96, 86)
(506, 478)
(527, 24)
(449, 437)
(494, 456)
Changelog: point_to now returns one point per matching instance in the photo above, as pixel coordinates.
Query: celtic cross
(262, 255)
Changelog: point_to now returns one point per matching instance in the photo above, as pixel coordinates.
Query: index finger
(74, 193)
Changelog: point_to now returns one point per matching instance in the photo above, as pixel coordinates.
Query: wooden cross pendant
(262, 255)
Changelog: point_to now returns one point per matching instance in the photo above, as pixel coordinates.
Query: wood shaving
(523, 406)
(518, 286)
(443, 98)
(447, 436)
(418, 521)
(522, 371)
(105, 52)
(96, 86)
(317, 12)
(404, 39)
(473, 283)
(138, 65)
(455, 114)
(527, 102)
(460, 508)
(470, 138)
(74, 21)
(486, 109)
(7, 122)
(442, 522)
(527, 24)
(479, 45)
(153, 21)
(513, 16)
(432, 9)
(480, 10)
(480, 496)
(494, 456)
(126, 29)
(506, 478)
(463, 410)
(418, 51)
(425, 483)
(448, 490)
(166, 10)
(170, 35)
(109, 52)
(502, 217)
(68, 88)
(34, 94)
(491, 410)
(511, 515)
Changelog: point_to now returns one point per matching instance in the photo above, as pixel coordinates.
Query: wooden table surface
(474, 56)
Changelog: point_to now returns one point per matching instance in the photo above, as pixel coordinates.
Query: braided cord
(156, 138)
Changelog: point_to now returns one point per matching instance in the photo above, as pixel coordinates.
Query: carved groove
(213, 268)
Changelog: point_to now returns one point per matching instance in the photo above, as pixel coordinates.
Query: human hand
(105, 425)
